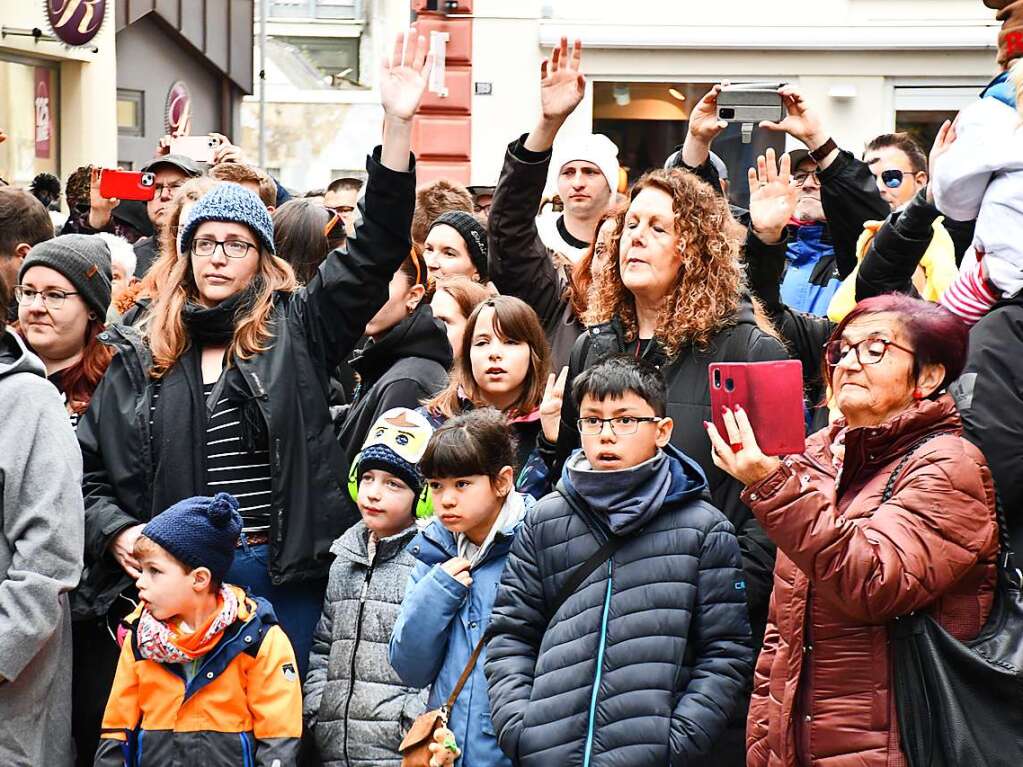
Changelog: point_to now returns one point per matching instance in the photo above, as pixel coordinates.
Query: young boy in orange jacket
(206, 674)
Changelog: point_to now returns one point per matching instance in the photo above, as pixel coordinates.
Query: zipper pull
(365, 591)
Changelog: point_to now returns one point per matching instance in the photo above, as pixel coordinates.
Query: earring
(917, 394)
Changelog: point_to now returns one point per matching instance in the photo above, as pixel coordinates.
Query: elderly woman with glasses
(888, 511)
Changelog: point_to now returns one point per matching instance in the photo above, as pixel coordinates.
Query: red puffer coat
(847, 565)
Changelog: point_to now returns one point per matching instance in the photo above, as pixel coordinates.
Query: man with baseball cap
(530, 257)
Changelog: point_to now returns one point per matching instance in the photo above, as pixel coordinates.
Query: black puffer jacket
(689, 407)
(407, 365)
(314, 329)
(642, 665)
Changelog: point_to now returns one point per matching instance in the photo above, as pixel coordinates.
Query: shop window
(30, 116)
(335, 58)
(130, 112)
(921, 109)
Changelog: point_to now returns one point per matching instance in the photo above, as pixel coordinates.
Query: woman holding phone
(888, 511)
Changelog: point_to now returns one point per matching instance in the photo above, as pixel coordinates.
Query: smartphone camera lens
(726, 113)
(148, 179)
(729, 384)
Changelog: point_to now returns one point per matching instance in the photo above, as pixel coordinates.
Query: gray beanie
(229, 202)
(83, 259)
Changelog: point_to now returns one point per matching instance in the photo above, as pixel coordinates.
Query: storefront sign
(76, 22)
(42, 107)
(178, 114)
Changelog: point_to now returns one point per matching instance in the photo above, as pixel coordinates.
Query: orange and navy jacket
(243, 707)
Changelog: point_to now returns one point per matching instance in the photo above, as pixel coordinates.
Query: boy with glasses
(646, 657)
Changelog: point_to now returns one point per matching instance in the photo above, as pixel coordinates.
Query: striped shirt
(970, 296)
(229, 467)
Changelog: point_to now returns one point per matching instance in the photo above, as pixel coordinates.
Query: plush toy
(445, 750)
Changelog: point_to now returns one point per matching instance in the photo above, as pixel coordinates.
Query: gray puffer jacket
(356, 705)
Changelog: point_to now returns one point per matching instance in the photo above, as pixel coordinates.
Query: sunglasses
(892, 178)
(331, 225)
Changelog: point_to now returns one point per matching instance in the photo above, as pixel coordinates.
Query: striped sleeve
(970, 296)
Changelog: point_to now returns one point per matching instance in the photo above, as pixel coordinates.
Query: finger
(556, 57)
(564, 53)
(562, 378)
(785, 169)
(549, 389)
(543, 68)
(761, 169)
(772, 165)
(731, 430)
(768, 125)
(399, 46)
(751, 175)
(577, 55)
(721, 448)
(746, 435)
(422, 53)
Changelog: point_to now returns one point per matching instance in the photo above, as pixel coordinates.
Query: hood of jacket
(436, 544)
(630, 498)
(418, 335)
(354, 544)
(16, 358)
(809, 243)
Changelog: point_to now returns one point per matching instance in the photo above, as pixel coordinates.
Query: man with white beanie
(531, 257)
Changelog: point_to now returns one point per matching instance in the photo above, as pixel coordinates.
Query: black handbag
(960, 704)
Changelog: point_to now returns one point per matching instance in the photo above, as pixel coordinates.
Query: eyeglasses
(172, 188)
(798, 179)
(341, 210)
(892, 178)
(621, 426)
(204, 248)
(869, 351)
(52, 299)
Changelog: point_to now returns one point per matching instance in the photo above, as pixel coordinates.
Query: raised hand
(562, 86)
(772, 197)
(740, 456)
(101, 209)
(942, 143)
(123, 549)
(226, 151)
(704, 127)
(550, 406)
(404, 76)
(802, 121)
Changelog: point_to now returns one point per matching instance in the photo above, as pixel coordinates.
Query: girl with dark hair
(888, 511)
(504, 363)
(224, 386)
(63, 296)
(469, 466)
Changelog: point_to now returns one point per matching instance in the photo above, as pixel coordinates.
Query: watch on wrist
(823, 150)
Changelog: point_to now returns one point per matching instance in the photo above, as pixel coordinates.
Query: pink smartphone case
(771, 393)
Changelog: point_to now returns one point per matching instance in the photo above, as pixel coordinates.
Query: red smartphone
(127, 185)
(771, 393)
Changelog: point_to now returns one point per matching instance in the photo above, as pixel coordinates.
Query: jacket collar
(354, 544)
(870, 448)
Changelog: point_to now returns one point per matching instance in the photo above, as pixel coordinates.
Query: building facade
(57, 103)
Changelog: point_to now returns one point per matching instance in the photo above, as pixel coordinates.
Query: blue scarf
(629, 498)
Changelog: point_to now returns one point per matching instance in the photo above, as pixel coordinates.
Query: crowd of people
(396, 475)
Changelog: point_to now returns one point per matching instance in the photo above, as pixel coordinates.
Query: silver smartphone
(751, 103)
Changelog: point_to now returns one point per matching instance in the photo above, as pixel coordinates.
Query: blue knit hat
(229, 202)
(200, 532)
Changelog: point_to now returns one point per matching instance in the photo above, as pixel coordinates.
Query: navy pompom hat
(199, 532)
(229, 202)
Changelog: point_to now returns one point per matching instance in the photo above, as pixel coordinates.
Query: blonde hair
(1016, 75)
(709, 283)
(173, 286)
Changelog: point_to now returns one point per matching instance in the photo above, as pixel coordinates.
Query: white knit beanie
(593, 147)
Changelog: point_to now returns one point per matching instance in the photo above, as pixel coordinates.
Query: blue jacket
(645, 661)
(811, 277)
(438, 626)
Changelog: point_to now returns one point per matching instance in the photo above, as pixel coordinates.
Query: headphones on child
(423, 507)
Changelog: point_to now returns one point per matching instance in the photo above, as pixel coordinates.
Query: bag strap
(1006, 560)
(466, 672)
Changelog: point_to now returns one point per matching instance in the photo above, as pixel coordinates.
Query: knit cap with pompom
(199, 532)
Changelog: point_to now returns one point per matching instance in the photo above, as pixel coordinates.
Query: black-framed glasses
(892, 178)
(52, 298)
(205, 247)
(800, 178)
(869, 351)
(621, 426)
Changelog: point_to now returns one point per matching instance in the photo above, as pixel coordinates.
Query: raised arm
(520, 264)
(351, 284)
